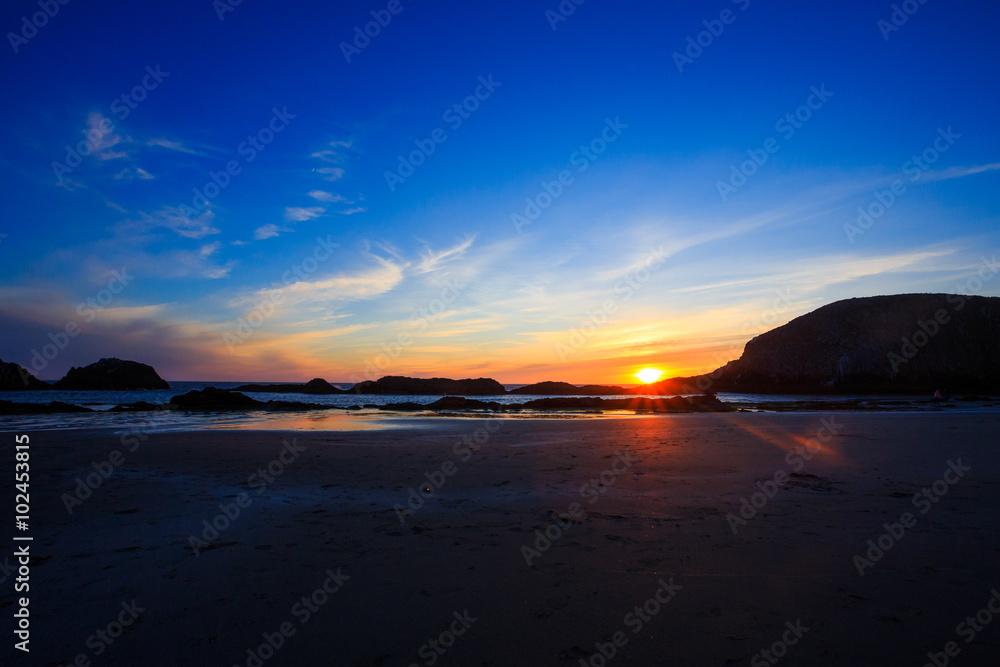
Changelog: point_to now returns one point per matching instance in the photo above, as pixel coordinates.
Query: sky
(526, 191)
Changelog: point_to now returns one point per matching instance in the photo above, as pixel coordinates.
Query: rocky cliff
(903, 343)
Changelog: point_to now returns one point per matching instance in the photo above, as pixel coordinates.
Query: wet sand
(327, 518)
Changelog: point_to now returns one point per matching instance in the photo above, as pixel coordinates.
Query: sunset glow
(648, 375)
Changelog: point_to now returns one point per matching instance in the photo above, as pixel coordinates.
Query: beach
(692, 539)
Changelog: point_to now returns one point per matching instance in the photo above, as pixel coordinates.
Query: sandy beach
(324, 552)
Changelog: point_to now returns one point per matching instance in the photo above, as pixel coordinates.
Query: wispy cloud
(172, 145)
(173, 218)
(431, 260)
(100, 140)
(330, 173)
(268, 231)
(353, 210)
(959, 172)
(300, 214)
(320, 195)
(131, 173)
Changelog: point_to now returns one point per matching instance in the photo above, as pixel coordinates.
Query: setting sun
(647, 375)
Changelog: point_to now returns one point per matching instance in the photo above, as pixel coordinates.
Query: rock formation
(316, 386)
(393, 384)
(14, 377)
(566, 389)
(905, 343)
(112, 374)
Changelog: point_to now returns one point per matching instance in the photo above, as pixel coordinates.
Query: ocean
(102, 401)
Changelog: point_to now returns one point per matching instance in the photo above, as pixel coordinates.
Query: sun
(648, 375)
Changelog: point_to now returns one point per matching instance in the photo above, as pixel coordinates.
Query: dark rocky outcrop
(394, 384)
(15, 377)
(112, 374)
(215, 400)
(462, 403)
(566, 389)
(316, 386)
(11, 408)
(905, 343)
(708, 403)
(211, 399)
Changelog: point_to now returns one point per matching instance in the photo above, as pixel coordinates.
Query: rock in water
(215, 400)
(315, 386)
(566, 389)
(14, 377)
(112, 374)
(393, 384)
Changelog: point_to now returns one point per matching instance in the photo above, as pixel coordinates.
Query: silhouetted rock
(211, 399)
(112, 374)
(15, 377)
(394, 384)
(462, 403)
(316, 386)
(566, 389)
(215, 400)
(905, 343)
(11, 408)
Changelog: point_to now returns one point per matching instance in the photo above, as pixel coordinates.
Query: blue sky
(639, 260)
